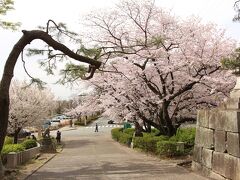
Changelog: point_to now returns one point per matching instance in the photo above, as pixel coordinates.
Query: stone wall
(217, 143)
(15, 159)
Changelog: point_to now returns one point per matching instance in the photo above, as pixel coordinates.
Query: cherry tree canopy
(164, 67)
(28, 106)
(88, 105)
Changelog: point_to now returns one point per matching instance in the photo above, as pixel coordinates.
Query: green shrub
(186, 135)
(148, 143)
(12, 148)
(29, 143)
(116, 133)
(173, 139)
(138, 142)
(8, 140)
(129, 131)
(154, 131)
(168, 148)
(125, 138)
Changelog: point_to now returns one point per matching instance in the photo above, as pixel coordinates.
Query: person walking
(58, 137)
(96, 128)
(33, 137)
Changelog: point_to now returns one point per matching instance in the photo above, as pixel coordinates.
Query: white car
(55, 122)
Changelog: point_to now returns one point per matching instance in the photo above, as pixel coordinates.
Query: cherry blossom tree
(28, 106)
(164, 67)
(89, 104)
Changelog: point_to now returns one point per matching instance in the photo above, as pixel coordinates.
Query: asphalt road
(90, 155)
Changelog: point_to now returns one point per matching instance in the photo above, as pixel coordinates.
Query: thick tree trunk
(15, 135)
(138, 130)
(167, 120)
(27, 37)
(15, 138)
(147, 127)
(164, 123)
(2, 169)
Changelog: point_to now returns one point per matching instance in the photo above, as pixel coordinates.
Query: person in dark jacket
(58, 137)
(33, 137)
(96, 128)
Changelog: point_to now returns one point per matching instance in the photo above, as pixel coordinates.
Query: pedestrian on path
(34, 138)
(96, 128)
(58, 137)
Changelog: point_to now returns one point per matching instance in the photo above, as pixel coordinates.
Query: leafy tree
(5, 6)
(232, 62)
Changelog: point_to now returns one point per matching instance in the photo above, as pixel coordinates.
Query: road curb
(50, 158)
(69, 129)
(39, 167)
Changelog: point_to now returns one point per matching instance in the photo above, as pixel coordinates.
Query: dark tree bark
(138, 130)
(27, 38)
(15, 135)
(147, 127)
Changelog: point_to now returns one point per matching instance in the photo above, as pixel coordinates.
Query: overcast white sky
(32, 13)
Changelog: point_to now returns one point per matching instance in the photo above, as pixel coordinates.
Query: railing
(14, 159)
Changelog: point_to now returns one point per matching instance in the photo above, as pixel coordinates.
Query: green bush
(125, 138)
(129, 131)
(29, 143)
(154, 131)
(116, 132)
(186, 135)
(138, 142)
(12, 148)
(8, 140)
(168, 148)
(148, 143)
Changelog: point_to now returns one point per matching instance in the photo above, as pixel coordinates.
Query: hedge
(116, 132)
(161, 145)
(186, 135)
(125, 138)
(12, 148)
(148, 143)
(8, 140)
(29, 143)
(129, 131)
(168, 148)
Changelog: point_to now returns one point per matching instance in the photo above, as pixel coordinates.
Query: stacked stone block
(217, 142)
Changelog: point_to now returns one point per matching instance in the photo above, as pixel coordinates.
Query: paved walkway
(89, 156)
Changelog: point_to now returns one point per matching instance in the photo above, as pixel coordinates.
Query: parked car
(55, 122)
(46, 124)
(61, 117)
(24, 133)
(111, 122)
